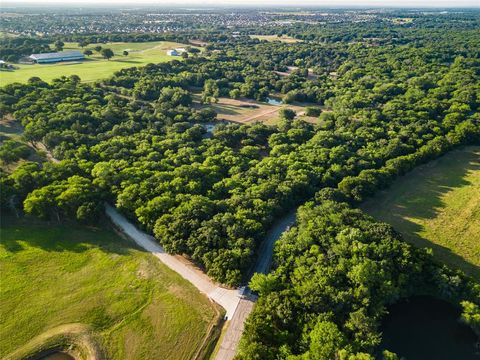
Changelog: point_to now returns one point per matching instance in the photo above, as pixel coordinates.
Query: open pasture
(284, 38)
(437, 206)
(95, 67)
(74, 277)
(249, 111)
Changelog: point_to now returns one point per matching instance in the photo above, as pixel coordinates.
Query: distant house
(173, 53)
(176, 52)
(57, 57)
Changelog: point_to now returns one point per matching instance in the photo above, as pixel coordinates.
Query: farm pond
(58, 355)
(427, 328)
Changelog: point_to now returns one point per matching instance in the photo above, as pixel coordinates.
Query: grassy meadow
(438, 206)
(75, 276)
(246, 111)
(284, 38)
(95, 67)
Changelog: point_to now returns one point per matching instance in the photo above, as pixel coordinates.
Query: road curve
(237, 303)
(227, 298)
(230, 341)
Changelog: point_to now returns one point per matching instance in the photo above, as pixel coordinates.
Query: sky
(259, 3)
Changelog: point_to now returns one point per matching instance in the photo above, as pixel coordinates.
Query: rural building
(176, 52)
(173, 53)
(57, 57)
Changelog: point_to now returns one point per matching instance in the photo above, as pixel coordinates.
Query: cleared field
(74, 277)
(249, 111)
(95, 67)
(438, 206)
(283, 38)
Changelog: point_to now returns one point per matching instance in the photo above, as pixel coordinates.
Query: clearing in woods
(55, 275)
(95, 67)
(284, 38)
(437, 206)
(249, 111)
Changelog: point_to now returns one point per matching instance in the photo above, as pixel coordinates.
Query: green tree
(107, 53)
(59, 45)
(326, 340)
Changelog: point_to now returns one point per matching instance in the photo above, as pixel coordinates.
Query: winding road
(238, 303)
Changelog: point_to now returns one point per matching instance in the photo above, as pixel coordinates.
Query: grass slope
(438, 206)
(95, 67)
(63, 274)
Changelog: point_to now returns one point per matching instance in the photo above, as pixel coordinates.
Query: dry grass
(438, 206)
(269, 38)
(249, 111)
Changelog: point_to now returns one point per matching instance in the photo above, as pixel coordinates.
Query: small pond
(427, 328)
(210, 127)
(58, 355)
(273, 101)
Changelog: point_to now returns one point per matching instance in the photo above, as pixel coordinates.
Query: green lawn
(438, 206)
(53, 275)
(95, 67)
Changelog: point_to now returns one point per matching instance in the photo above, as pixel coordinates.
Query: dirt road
(227, 298)
(230, 341)
(237, 303)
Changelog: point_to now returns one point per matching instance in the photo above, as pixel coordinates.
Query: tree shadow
(66, 237)
(10, 127)
(128, 61)
(222, 109)
(420, 195)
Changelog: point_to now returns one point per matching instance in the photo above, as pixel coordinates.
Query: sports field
(438, 206)
(92, 282)
(95, 67)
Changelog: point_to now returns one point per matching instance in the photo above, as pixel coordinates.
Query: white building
(176, 52)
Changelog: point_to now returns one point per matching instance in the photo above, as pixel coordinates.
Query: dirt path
(71, 338)
(227, 298)
(259, 115)
(237, 303)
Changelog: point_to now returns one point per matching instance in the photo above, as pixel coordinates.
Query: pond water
(273, 101)
(209, 127)
(58, 356)
(427, 328)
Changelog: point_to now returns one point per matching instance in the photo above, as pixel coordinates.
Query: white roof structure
(57, 55)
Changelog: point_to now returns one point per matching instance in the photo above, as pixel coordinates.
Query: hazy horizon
(255, 3)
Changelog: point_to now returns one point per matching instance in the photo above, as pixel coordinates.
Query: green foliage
(12, 150)
(325, 341)
(107, 53)
(287, 114)
(471, 315)
(142, 144)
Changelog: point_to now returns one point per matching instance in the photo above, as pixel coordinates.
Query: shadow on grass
(128, 61)
(10, 127)
(66, 237)
(428, 184)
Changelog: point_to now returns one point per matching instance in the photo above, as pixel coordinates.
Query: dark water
(58, 356)
(425, 328)
(273, 101)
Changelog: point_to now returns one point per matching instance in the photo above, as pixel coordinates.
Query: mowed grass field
(438, 206)
(53, 275)
(95, 67)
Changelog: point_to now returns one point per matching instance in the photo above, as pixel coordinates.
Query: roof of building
(55, 55)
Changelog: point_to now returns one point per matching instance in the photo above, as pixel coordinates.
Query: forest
(393, 97)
